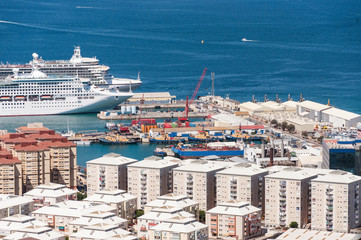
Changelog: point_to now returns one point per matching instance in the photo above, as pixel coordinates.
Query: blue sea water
(309, 47)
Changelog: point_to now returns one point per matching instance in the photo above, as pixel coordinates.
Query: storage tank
(134, 109)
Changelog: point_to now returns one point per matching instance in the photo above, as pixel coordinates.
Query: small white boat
(83, 143)
(245, 40)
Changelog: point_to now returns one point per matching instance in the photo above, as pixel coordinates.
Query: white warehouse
(340, 118)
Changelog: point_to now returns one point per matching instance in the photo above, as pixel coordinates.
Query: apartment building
(124, 203)
(287, 197)
(196, 179)
(60, 215)
(35, 232)
(174, 200)
(108, 172)
(45, 156)
(102, 231)
(242, 183)
(13, 204)
(50, 193)
(336, 202)
(157, 216)
(97, 217)
(181, 228)
(10, 174)
(13, 223)
(150, 178)
(235, 220)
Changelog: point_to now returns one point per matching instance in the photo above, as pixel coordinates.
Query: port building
(340, 118)
(311, 110)
(343, 155)
(151, 98)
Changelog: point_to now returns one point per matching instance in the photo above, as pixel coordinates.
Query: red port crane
(194, 94)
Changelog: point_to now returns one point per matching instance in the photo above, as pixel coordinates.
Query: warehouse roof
(313, 105)
(341, 113)
(252, 106)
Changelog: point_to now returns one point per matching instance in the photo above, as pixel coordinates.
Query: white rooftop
(18, 221)
(112, 159)
(337, 176)
(273, 105)
(102, 231)
(91, 219)
(232, 119)
(50, 190)
(9, 200)
(252, 106)
(177, 201)
(157, 163)
(292, 173)
(164, 213)
(72, 209)
(179, 225)
(346, 115)
(203, 166)
(313, 105)
(290, 104)
(234, 208)
(37, 232)
(110, 196)
(304, 234)
(243, 169)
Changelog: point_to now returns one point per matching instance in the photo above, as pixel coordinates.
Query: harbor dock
(113, 115)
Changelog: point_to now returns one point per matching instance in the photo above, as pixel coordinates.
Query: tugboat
(159, 152)
(117, 139)
(204, 136)
(165, 139)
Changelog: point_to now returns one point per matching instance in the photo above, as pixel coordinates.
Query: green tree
(304, 133)
(293, 225)
(291, 128)
(138, 213)
(274, 121)
(202, 216)
(284, 125)
(81, 195)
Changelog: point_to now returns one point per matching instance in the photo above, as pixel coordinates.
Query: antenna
(265, 98)
(289, 97)
(212, 91)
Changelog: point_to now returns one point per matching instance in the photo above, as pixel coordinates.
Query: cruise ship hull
(71, 105)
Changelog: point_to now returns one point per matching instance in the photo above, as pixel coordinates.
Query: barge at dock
(220, 149)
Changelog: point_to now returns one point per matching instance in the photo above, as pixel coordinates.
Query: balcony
(190, 177)
(234, 182)
(329, 218)
(282, 205)
(329, 209)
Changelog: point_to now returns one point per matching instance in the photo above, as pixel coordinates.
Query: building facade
(336, 202)
(149, 179)
(287, 197)
(243, 183)
(108, 172)
(234, 220)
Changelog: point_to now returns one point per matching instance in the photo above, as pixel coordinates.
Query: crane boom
(198, 85)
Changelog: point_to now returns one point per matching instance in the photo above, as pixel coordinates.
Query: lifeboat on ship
(46, 97)
(20, 98)
(5, 98)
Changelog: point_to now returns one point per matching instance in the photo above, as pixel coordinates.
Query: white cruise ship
(36, 93)
(79, 66)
